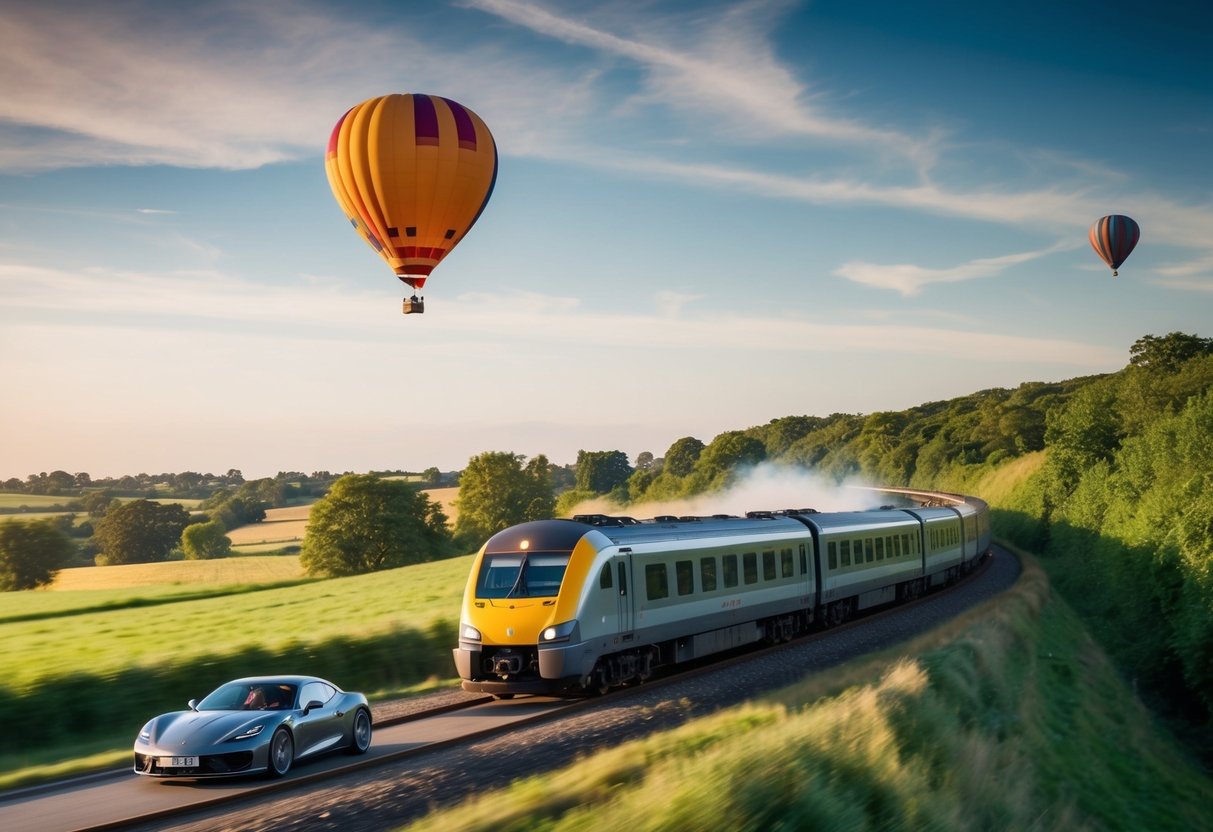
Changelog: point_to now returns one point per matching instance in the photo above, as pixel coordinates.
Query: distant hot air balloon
(412, 174)
(1113, 238)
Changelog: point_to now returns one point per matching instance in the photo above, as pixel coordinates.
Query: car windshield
(250, 696)
(533, 575)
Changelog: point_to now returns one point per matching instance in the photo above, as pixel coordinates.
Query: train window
(730, 570)
(832, 549)
(623, 580)
(804, 563)
(897, 545)
(684, 573)
(534, 575)
(785, 563)
(768, 565)
(749, 567)
(880, 548)
(844, 552)
(869, 549)
(656, 582)
(707, 574)
(604, 580)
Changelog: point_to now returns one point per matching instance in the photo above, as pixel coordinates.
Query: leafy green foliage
(680, 459)
(601, 472)
(140, 531)
(498, 490)
(31, 552)
(367, 523)
(205, 541)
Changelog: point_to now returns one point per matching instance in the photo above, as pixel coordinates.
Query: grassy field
(1008, 718)
(62, 641)
(9, 499)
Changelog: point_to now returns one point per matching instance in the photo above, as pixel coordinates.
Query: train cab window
(832, 553)
(730, 571)
(749, 567)
(533, 575)
(786, 569)
(880, 548)
(707, 574)
(684, 573)
(768, 565)
(844, 552)
(604, 580)
(656, 582)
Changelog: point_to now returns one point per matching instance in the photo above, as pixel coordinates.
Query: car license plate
(178, 762)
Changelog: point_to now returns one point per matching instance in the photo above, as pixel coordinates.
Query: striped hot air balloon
(1113, 238)
(412, 174)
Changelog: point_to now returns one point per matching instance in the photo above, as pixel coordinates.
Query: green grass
(1008, 718)
(10, 499)
(106, 642)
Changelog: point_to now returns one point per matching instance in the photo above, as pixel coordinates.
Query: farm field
(51, 640)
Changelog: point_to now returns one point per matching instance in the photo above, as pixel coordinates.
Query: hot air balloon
(1113, 238)
(412, 174)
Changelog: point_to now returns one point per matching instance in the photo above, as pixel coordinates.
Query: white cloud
(909, 279)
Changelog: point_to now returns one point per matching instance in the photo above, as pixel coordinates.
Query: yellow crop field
(226, 571)
(288, 525)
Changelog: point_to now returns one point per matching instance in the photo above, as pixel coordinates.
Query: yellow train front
(519, 631)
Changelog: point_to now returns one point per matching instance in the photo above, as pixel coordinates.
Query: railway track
(413, 735)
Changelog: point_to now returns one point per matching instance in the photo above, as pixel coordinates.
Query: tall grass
(1009, 718)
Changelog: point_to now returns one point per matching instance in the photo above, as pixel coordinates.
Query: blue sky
(707, 216)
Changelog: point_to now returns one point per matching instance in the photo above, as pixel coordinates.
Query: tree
(31, 552)
(366, 523)
(602, 471)
(680, 459)
(1168, 352)
(140, 531)
(497, 491)
(644, 460)
(205, 541)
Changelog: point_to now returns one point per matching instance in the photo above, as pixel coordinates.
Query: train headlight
(469, 633)
(557, 633)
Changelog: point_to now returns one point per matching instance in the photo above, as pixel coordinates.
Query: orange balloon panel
(412, 174)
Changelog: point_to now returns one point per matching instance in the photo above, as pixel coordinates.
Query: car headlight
(249, 732)
(145, 733)
(558, 632)
(469, 633)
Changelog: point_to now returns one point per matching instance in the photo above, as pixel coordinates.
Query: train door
(625, 587)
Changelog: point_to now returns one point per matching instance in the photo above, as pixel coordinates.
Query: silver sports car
(254, 725)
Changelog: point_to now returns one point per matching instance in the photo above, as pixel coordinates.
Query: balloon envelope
(412, 174)
(1113, 238)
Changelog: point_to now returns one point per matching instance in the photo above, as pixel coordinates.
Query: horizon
(706, 217)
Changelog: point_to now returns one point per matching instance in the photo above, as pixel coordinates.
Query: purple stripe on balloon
(426, 119)
(465, 129)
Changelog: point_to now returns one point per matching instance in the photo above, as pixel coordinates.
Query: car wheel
(282, 753)
(361, 739)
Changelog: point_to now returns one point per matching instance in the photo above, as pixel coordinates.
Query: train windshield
(533, 575)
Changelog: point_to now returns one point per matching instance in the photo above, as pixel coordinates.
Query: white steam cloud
(767, 487)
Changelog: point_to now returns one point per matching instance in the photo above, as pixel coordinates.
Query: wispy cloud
(47, 297)
(909, 279)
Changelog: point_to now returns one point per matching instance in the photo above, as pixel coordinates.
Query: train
(583, 605)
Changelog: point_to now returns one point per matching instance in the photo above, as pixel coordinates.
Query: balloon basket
(414, 305)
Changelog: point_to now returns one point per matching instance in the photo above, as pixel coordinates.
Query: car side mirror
(315, 703)
(193, 704)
